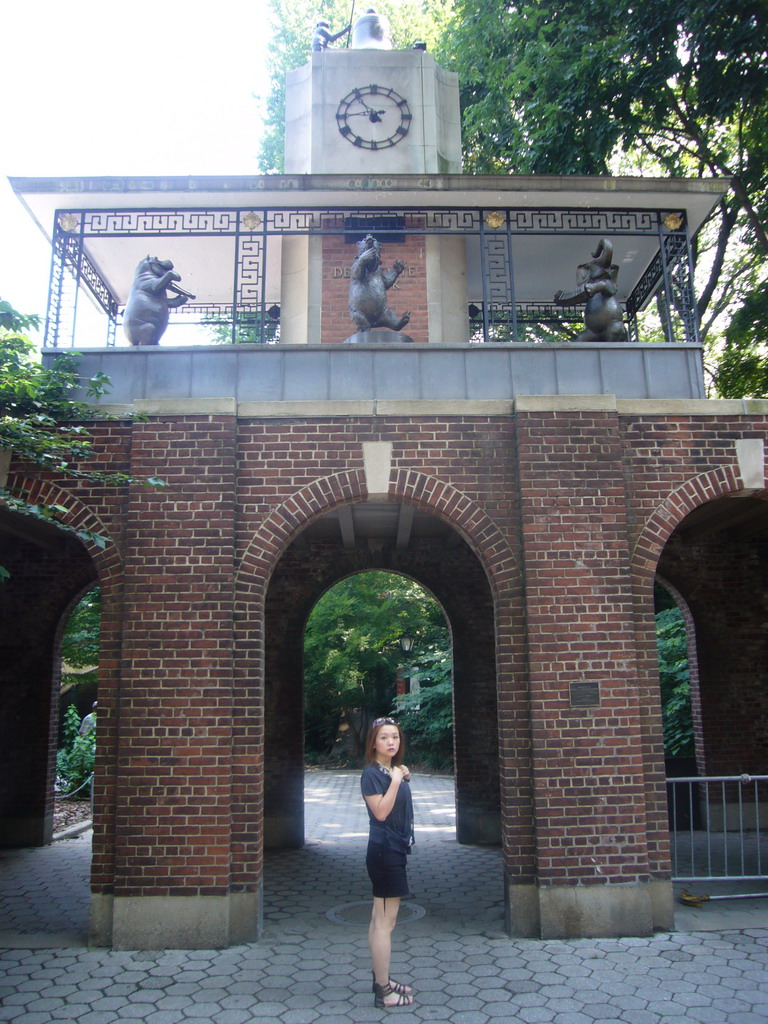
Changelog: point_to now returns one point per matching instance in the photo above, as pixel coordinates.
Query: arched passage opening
(48, 572)
(713, 565)
(717, 560)
(398, 539)
(77, 667)
(377, 643)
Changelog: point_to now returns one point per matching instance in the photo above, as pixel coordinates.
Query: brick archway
(497, 571)
(647, 560)
(661, 523)
(49, 570)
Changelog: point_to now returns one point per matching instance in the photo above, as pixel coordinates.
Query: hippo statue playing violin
(147, 310)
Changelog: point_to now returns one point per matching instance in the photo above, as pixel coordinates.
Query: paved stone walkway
(312, 962)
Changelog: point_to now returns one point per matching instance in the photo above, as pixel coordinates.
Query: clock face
(373, 117)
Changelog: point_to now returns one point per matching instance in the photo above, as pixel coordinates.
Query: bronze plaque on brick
(585, 695)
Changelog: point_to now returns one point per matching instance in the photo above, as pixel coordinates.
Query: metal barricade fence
(718, 827)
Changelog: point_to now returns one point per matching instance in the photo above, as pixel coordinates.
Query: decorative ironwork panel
(528, 322)
(678, 273)
(71, 267)
(497, 264)
(645, 286)
(98, 286)
(159, 222)
(541, 312)
(250, 270)
(291, 221)
(56, 293)
(453, 221)
(556, 221)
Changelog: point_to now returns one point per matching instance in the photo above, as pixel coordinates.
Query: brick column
(172, 853)
(592, 865)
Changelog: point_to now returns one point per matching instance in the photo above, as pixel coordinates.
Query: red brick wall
(587, 759)
(175, 725)
(568, 515)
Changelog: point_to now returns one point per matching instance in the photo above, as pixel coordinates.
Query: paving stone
(307, 968)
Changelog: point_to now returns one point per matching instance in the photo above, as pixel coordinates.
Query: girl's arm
(381, 804)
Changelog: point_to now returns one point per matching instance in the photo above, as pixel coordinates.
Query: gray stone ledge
(692, 407)
(334, 409)
(440, 373)
(186, 406)
(566, 403)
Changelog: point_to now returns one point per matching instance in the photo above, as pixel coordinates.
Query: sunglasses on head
(383, 721)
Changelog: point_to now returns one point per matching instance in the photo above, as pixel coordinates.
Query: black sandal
(381, 991)
(396, 986)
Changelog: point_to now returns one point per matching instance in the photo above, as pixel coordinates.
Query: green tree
(293, 24)
(352, 650)
(666, 86)
(76, 756)
(41, 424)
(742, 367)
(674, 678)
(426, 714)
(80, 643)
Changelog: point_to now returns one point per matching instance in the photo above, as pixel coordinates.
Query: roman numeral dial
(373, 117)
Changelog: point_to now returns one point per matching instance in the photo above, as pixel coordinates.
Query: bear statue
(368, 288)
(147, 310)
(596, 288)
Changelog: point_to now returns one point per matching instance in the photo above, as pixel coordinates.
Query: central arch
(456, 552)
(305, 572)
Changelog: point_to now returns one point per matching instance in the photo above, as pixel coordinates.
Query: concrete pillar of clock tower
(372, 113)
(446, 265)
(416, 128)
(300, 290)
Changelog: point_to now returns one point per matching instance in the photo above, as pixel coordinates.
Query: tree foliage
(81, 641)
(352, 650)
(664, 86)
(41, 424)
(674, 678)
(76, 756)
(293, 26)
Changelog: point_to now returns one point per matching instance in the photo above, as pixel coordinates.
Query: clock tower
(370, 110)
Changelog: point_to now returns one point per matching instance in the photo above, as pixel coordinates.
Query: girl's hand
(406, 772)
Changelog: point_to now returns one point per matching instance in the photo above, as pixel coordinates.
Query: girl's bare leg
(383, 921)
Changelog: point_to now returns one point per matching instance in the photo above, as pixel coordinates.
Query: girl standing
(384, 784)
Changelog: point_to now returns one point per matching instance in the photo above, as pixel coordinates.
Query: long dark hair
(370, 753)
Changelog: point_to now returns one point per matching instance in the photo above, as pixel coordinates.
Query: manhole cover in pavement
(360, 913)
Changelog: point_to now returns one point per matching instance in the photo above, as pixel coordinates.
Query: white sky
(103, 88)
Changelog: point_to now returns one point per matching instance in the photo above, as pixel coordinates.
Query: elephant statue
(147, 310)
(596, 288)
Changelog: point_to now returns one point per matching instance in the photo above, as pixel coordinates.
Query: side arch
(47, 575)
(661, 523)
(78, 517)
(645, 558)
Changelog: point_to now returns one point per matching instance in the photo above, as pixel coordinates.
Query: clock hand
(369, 112)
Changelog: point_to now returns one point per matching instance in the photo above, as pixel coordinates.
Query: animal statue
(146, 312)
(368, 288)
(323, 36)
(596, 288)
